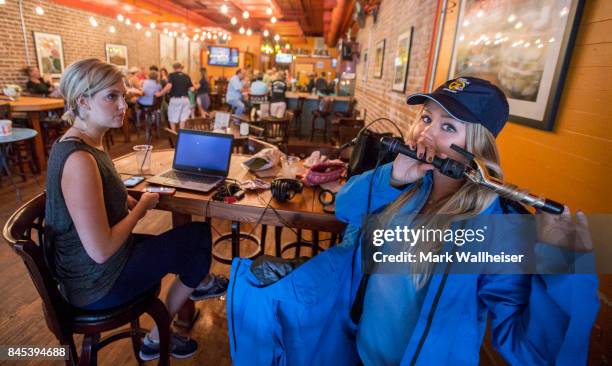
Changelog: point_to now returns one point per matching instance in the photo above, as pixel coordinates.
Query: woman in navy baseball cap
(329, 311)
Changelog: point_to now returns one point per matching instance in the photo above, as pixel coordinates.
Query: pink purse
(325, 172)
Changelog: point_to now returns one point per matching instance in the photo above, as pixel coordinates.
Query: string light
(148, 33)
(234, 21)
(266, 33)
(152, 25)
(120, 17)
(165, 30)
(224, 9)
(138, 26)
(39, 10)
(273, 20)
(249, 32)
(229, 38)
(245, 14)
(93, 22)
(269, 11)
(277, 37)
(241, 30)
(128, 21)
(112, 29)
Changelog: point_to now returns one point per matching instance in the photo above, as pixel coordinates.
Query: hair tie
(69, 116)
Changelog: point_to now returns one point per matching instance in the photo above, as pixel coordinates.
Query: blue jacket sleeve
(352, 199)
(541, 319)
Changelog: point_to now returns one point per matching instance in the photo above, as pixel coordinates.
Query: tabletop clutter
(315, 170)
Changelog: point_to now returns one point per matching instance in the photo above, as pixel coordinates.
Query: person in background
(258, 87)
(203, 93)
(311, 82)
(321, 84)
(154, 68)
(36, 84)
(133, 81)
(149, 88)
(142, 74)
(178, 87)
(278, 102)
(234, 92)
(268, 77)
(98, 262)
(163, 76)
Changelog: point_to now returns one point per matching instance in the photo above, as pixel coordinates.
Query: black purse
(367, 147)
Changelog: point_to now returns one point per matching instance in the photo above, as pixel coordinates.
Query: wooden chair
(276, 130)
(323, 111)
(296, 121)
(199, 123)
(345, 129)
(25, 233)
(152, 116)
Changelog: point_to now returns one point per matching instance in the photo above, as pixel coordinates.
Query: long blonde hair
(85, 78)
(468, 201)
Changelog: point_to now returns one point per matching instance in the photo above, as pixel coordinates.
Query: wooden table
(304, 211)
(33, 106)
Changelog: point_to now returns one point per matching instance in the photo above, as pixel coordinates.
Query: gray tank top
(82, 280)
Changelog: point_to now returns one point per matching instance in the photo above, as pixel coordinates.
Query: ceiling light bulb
(120, 17)
(138, 26)
(276, 37)
(112, 29)
(245, 14)
(273, 20)
(93, 22)
(148, 33)
(128, 21)
(269, 11)
(229, 38)
(152, 25)
(234, 21)
(266, 33)
(249, 32)
(241, 30)
(39, 10)
(165, 30)
(224, 9)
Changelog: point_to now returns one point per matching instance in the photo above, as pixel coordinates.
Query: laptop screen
(203, 152)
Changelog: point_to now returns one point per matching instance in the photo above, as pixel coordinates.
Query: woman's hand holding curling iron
(408, 170)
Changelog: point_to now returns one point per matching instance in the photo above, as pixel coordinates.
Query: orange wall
(572, 163)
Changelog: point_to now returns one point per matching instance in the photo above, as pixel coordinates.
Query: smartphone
(132, 181)
(161, 190)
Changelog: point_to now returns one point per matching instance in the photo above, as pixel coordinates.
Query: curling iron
(477, 173)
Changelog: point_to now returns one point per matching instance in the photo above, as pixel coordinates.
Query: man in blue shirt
(234, 92)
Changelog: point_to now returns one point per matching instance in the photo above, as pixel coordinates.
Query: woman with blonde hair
(99, 262)
(425, 312)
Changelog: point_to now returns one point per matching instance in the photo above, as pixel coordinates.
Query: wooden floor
(21, 317)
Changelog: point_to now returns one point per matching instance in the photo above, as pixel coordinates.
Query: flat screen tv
(283, 58)
(222, 56)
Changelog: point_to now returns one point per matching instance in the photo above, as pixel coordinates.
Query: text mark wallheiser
(459, 257)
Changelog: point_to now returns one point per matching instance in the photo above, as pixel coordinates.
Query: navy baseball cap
(469, 99)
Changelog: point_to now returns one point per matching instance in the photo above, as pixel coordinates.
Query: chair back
(24, 232)
(258, 98)
(256, 131)
(199, 123)
(300, 105)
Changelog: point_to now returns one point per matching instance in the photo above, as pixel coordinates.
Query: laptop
(201, 161)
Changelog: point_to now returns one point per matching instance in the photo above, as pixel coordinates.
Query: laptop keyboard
(189, 178)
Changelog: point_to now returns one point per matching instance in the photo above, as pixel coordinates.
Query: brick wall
(394, 18)
(80, 40)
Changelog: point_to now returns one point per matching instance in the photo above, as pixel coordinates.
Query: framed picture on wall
(117, 55)
(249, 59)
(49, 54)
(522, 47)
(379, 59)
(402, 59)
